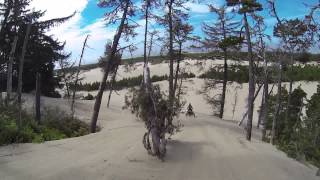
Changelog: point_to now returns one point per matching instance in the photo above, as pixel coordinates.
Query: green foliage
(298, 137)
(139, 102)
(126, 82)
(231, 41)
(55, 125)
(43, 50)
(89, 97)
(235, 73)
(304, 57)
(240, 73)
(312, 129)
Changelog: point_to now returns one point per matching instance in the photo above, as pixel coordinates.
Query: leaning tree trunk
(112, 84)
(21, 63)
(110, 59)
(177, 69)
(254, 99)
(278, 105)
(38, 97)
(171, 58)
(251, 80)
(9, 73)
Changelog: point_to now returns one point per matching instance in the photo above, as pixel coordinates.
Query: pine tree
(222, 35)
(114, 8)
(245, 8)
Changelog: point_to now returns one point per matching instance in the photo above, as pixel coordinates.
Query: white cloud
(72, 32)
(59, 8)
(197, 7)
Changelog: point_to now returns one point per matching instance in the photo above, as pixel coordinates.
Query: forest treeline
(239, 73)
(125, 82)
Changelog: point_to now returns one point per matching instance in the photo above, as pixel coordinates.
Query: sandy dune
(207, 148)
(194, 85)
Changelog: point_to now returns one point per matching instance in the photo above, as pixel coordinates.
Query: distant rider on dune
(190, 111)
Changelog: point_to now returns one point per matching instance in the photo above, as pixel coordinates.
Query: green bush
(240, 73)
(126, 82)
(55, 125)
(298, 137)
(88, 97)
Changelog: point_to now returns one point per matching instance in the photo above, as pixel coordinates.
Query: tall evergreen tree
(246, 8)
(43, 49)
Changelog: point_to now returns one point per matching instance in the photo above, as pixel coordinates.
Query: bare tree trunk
(178, 69)
(278, 104)
(290, 88)
(235, 104)
(113, 81)
(254, 98)
(171, 56)
(146, 31)
(261, 110)
(21, 65)
(77, 77)
(9, 73)
(103, 83)
(265, 99)
(251, 80)
(38, 97)
(224, 88)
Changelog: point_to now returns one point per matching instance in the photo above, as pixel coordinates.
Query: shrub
(54, 94)
(55, 125)
(125, 82)
(88, 97)
(240, 74)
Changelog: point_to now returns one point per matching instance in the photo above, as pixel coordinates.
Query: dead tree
(21, 63)
(77, 76)
(259, 29)
(67, 73)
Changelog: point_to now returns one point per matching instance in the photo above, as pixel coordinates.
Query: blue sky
(89, 20)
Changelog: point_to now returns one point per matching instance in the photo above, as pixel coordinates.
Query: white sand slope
(206, 149)
(195, 85)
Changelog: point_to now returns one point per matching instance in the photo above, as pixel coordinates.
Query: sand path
(207, 148)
